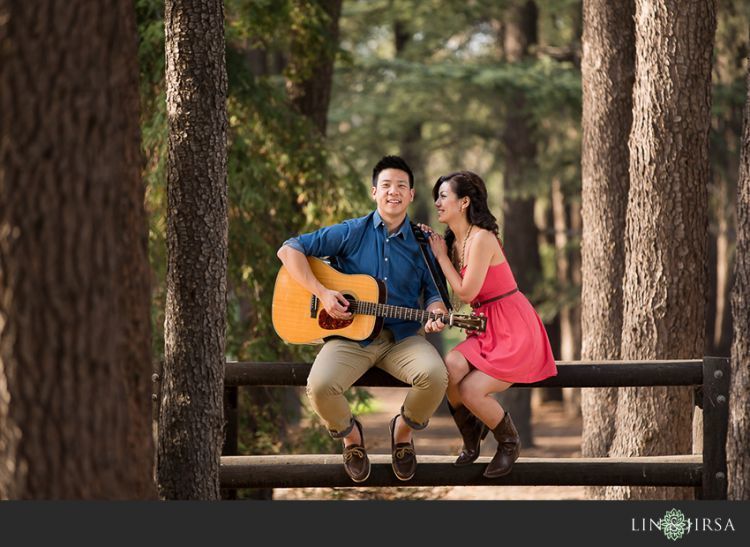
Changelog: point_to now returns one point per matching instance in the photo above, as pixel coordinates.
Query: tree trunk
(309, 85)
(569, 316)
(562, 268)
(546, 238)
(74, 288)
(607, 68)
(191, 419)
(738, 438)
(520, 230)
(720, 342)
(666, 279)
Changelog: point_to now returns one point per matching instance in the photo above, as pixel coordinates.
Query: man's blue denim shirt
(363, 246)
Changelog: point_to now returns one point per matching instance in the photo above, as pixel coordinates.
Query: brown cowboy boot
(508, 447)
(472, 431)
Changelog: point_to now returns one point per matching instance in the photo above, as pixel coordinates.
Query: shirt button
(385, 279)
(386, 259)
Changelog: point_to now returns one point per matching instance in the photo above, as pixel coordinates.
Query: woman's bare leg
(475, 390)
(458, 367)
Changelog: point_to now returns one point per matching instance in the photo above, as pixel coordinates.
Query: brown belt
(476, 305)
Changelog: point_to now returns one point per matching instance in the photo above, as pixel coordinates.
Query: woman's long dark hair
(471, 185)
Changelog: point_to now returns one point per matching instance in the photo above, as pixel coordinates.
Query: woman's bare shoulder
(485, 237)
(489, 243)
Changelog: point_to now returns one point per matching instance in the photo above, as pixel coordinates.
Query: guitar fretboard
(393, 312)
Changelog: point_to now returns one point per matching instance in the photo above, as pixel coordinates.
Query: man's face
(392, 194)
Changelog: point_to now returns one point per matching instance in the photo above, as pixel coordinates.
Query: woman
(514, 347)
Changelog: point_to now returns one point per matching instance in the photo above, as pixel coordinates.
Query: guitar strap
(438, 278)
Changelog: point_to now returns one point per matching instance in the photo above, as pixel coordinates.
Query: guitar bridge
(313, 307)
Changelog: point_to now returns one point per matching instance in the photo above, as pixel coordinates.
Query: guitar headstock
(473, 322)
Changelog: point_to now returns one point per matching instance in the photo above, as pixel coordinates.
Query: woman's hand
(438, 246)
(437, 242)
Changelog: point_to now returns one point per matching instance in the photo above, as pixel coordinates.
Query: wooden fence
(708, 377)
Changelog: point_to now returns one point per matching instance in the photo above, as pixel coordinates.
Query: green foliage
(149, 14)
(296, 28)
(282, 179)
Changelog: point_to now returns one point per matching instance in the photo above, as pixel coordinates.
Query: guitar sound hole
(327, 322)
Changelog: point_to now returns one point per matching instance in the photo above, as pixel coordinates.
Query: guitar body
(299, 318)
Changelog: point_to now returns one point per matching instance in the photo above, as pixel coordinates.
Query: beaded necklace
(455, 301)
(463, 249)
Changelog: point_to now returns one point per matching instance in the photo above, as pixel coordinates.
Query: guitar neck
(392, 312)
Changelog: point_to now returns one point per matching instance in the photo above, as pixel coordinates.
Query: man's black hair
(392, 162)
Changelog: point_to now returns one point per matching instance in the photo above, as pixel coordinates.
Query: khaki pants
(341, 362)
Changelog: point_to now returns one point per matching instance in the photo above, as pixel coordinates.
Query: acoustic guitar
(299, 317)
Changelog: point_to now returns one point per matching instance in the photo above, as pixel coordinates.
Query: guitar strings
(399, 312)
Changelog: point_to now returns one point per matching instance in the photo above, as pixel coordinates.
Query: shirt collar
(377, 222)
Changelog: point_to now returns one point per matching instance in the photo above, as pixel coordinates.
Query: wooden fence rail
(706, 472)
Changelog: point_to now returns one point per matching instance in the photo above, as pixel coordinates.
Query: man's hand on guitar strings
(335, 304)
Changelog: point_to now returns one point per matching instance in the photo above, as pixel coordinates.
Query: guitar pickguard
(327, 322)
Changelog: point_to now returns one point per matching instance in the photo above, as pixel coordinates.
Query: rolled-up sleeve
(328, 241)
(295, 244)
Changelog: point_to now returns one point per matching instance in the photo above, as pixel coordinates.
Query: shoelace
(353, 451)
(401, 452)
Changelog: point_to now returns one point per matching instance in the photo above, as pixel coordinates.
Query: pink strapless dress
(514, 347)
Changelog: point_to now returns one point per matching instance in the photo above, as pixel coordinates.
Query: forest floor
(555, 435)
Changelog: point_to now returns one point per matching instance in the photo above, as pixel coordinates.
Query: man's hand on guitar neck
(435, 325)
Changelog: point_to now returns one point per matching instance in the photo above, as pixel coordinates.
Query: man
(380, 244)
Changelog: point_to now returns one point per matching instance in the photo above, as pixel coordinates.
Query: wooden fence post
(715, 424)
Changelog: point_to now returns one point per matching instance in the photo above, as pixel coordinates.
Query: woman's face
(449, 206)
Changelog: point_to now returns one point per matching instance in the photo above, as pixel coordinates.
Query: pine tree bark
(608, 68)
(309, 86)
(666, 226)
(191, 420)
(738, 438)
(74, 278)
